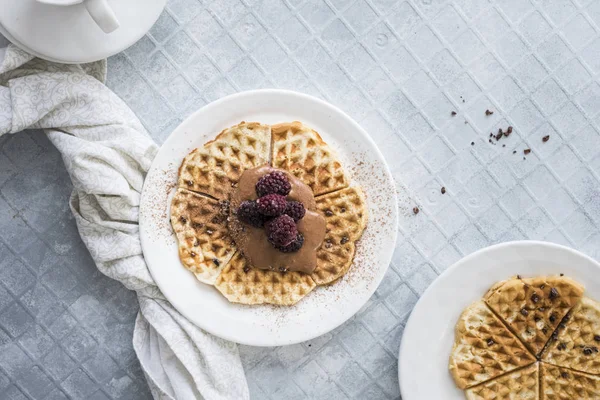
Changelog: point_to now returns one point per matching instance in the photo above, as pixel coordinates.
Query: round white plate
(324, 308)
(429, 333)
(68, 34)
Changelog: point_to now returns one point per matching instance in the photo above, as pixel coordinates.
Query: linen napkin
(107, 153)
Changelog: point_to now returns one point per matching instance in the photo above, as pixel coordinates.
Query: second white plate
(429, 333)
(326, 307)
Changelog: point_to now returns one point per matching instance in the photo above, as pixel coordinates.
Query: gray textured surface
(399, 68)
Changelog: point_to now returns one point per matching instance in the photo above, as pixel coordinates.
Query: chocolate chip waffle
(346, 217)
(484, 348)
(578, 339)
(522, 384)
(534, 307)
(564, 384)
(240, 283)
(215, 168)
(200, 224)
(301, 151)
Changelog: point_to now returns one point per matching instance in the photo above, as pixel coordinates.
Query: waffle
(578, 339)
(240, 283)
(530, 310)
(301, 151)
(523, 384)
(564, 384)
(200, 224)
(484, 348)
(215, 168)
(345, 213)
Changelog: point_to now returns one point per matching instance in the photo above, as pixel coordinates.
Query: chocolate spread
(253, 242)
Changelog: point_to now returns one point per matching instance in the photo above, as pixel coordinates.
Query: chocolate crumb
(328, 213)
(535, 298)
(416, 210)
(546, 138)
(488, 112)
(524, 312)
(443, 190)
(463, 100)
(503, 145)
(564, 375)
(490, 342)
(490, 140)
(553, 293)
(526, 151)
(472, 143)
(216, 262)
(508, 131)
(453, 113)
(514, 152)
(246, 269)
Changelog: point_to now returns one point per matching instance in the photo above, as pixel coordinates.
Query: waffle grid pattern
(399, 68)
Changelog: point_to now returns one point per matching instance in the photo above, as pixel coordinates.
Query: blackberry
(274, 182)
(295, 209)
(271, 205)
(248, 213)
(294, 246)
(281, 231)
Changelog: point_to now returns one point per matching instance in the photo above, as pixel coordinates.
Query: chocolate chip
(526, 151)
(542, 309)
(196, 242)
(597, 338)
(564, 375)
(488, 112)
(216, 262)
(246, 269)
(553, 318)
(524, 312)
(553, 293)
(594, 349)
(536, 319)
(490, 342)
(554, 335)
(342, 210)
(282, 269)
(561, 346)
(443, 190)
(327, 243)
(192, 254)
(453, 113)
(183, 219)
(416, 210)
(535, 298)
(328, 213)
(587, 351)
(546, 138)
(542, 286)
(189, 183)
(544, 330)
(344, 240)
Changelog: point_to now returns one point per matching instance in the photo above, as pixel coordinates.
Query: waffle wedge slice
(576, 345)
(564, 384)
(522, 384)
(534, 307)
(484, 348)
(301, 151)
(215, 168)
(345, 213)
(240, 283)
(200, 224)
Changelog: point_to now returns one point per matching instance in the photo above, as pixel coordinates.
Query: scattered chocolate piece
(508, 131)
(514, 152)
(490, 140)
(524, 312)
(546, 138)
(561, 346)
(443, 190)
(526, 151)
(553, 293)
(564, 375)
(597, 338)
(416, 210)
(491, 134)
(490, 342)
(453, 113)
(246, 269)
(463, 100)
(488, 112)
(553, 318)
(216, 262)
(535, 298)
(472, 143)
(503, 145)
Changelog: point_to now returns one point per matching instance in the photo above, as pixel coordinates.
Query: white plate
(326, 307)
(429, 333)
(68, 34)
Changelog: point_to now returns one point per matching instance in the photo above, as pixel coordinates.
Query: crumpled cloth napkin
(107, 153)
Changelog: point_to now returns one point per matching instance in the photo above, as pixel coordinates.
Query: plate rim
(432, 287)
(282, 341)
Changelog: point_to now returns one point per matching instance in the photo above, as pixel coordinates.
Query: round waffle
(207, 177)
